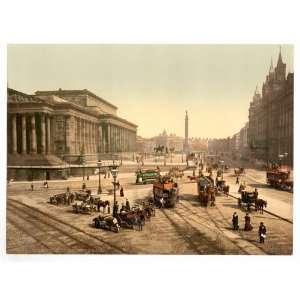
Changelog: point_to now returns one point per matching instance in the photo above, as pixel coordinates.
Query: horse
(260, 204)
(101, 203)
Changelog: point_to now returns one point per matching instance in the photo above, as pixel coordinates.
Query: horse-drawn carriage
(62, 198)
(85, 202)
(206, 190)
(129, 218)
(226, 169)
(247, 198)
(250, 198)
(221, 186)
(168, 190)
(107, 222)
(239, 171)
(176, 173)
(84, 207)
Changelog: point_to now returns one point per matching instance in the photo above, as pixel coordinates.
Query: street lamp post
(114, 173)
(99, 182)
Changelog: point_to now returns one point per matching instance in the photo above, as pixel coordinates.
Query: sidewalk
(275, 204)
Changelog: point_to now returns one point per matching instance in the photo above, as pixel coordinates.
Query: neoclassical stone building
(52, 131)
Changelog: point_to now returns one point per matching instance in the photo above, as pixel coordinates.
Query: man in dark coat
(121, 192)
(262, 230)
(235, 221)
(237, 180)
(248, 226)
(127, 205)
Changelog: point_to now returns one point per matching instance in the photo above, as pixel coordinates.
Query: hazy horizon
(153, 85)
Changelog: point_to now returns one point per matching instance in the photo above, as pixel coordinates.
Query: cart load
(62, 199)
(108, 222)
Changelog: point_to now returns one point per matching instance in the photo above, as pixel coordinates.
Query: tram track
(69, 230)
(29, 224)
(220, 229)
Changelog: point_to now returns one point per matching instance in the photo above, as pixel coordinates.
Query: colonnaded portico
(54, 128)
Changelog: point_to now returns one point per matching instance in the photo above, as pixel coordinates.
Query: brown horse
(259, 205)
(103, 204)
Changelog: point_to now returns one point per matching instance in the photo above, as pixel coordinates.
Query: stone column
(95, 137)
(88, 136)
(83, 135)
(48, 134)
(43, 134)
(33, 135)
(14, 133)
(24, 150)
(108, 138)
(68, 140)
(79, 134)
(99, 139)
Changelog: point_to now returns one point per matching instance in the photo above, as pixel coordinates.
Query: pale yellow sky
(153, 85)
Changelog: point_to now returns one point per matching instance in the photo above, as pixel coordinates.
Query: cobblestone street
(36, 226)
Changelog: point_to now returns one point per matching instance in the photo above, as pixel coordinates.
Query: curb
(267, 211)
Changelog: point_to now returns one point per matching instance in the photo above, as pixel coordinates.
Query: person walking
(162, 202)
(212, 199)
(235, 221)
(237, 180)
(248, 226)
(83, 186)
(32, 187)
(121, 192)
(262, 230)
(141, 221)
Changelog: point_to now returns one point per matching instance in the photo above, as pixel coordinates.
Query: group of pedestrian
(262, 230)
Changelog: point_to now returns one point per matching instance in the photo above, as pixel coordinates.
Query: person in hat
(262, 230)
(235, 221)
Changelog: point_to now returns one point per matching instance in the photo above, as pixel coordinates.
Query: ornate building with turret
(271, 113)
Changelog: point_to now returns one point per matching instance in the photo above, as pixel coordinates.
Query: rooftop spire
(271, 66)
(279, 57)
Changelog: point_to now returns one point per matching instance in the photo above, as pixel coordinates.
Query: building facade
(271, 116)
(52, 128)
